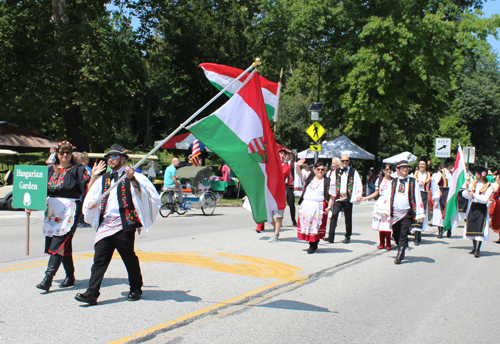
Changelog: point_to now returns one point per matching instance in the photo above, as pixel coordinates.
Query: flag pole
(277, 102)
(183, 125)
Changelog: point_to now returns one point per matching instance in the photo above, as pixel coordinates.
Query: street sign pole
(28, 233)
(29, 192)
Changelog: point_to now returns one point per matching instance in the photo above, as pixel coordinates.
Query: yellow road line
(193, 315)
(35, 264)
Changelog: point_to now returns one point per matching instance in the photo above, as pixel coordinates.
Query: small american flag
(196, 151)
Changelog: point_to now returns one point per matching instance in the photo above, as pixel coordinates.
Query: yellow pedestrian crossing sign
(315, 148)
(315, 131)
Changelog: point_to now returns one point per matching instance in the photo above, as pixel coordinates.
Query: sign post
(29, 192)
(315, 131)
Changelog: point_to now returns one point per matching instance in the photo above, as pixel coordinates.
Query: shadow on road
(426, 241)
(295, 305)
(323, 249)
(413, 259)
(164, 295)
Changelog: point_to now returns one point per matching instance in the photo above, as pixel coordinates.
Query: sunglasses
(64, 153)
(114, 157)
(320, 169)
(344, 160)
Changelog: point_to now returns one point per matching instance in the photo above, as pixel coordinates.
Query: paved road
(215, 280)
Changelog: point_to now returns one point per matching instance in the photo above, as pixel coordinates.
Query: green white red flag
(220, 76)
(457, 181)
(239, 132)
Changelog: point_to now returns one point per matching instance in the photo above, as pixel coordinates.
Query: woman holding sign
(67, 181)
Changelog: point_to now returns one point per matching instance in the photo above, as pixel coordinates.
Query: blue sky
(492, 7)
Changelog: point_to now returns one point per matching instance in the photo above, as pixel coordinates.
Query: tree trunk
(146, 135)
(73, 119)
(373, 143)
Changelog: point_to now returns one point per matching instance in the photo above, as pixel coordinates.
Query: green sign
(30, 187)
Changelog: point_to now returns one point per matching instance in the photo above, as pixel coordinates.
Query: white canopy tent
(398, 157)
(338, 147)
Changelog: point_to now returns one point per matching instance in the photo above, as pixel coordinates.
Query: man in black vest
(405, 206)
(346, 188)
(118, 222)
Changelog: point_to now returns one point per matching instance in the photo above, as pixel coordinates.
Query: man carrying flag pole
(457, 180)
(239, 132)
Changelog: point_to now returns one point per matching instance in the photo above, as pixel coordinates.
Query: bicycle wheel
(209, 203)
(179, 210)
(166, 204)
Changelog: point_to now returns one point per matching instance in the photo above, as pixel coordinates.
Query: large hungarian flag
(220, 76)
(457, 180)
(239, 132)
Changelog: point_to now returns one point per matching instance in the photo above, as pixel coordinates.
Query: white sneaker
(274, 238)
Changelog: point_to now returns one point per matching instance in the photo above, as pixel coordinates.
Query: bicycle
(170, 203)
(205, 199)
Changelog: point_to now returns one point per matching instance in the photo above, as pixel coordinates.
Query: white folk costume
(426, 178)
(477, 225)
(385, 206)
(146, 203)
(440, 181)
(400, 207)
(132, 205)
(312, 218)
(379, 223)
(312, 215)
(345, 187)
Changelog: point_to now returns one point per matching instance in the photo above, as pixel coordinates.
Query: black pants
(123, 242)
(346, 206)
(401, 229)
(290, 200)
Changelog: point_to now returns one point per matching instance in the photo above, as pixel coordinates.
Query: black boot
(448, 233)
(52, 267)
(476, 254)
(474, 245)
(313, 246)
(400, 256)
(87, 297)
(440, 232)
(418, 237)
(70, 272)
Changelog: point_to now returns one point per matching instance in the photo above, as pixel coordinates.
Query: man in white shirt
(126, 209)
(347, 189)
(405, 205)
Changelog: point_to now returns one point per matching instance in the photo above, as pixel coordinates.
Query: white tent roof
(338, 147)
(398, 157)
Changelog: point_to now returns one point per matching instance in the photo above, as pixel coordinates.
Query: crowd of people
(407, 202)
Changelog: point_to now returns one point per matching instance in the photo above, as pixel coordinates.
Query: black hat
(449, 162)
(402, 163)
(481, 170)
(118, 150)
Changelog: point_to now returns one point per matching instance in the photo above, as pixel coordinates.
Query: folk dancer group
(405, 203)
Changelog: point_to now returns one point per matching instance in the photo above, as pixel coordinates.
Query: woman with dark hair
(424, 180)
(476, 227)
(313, 209)
(382, 184)
(67, 181)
